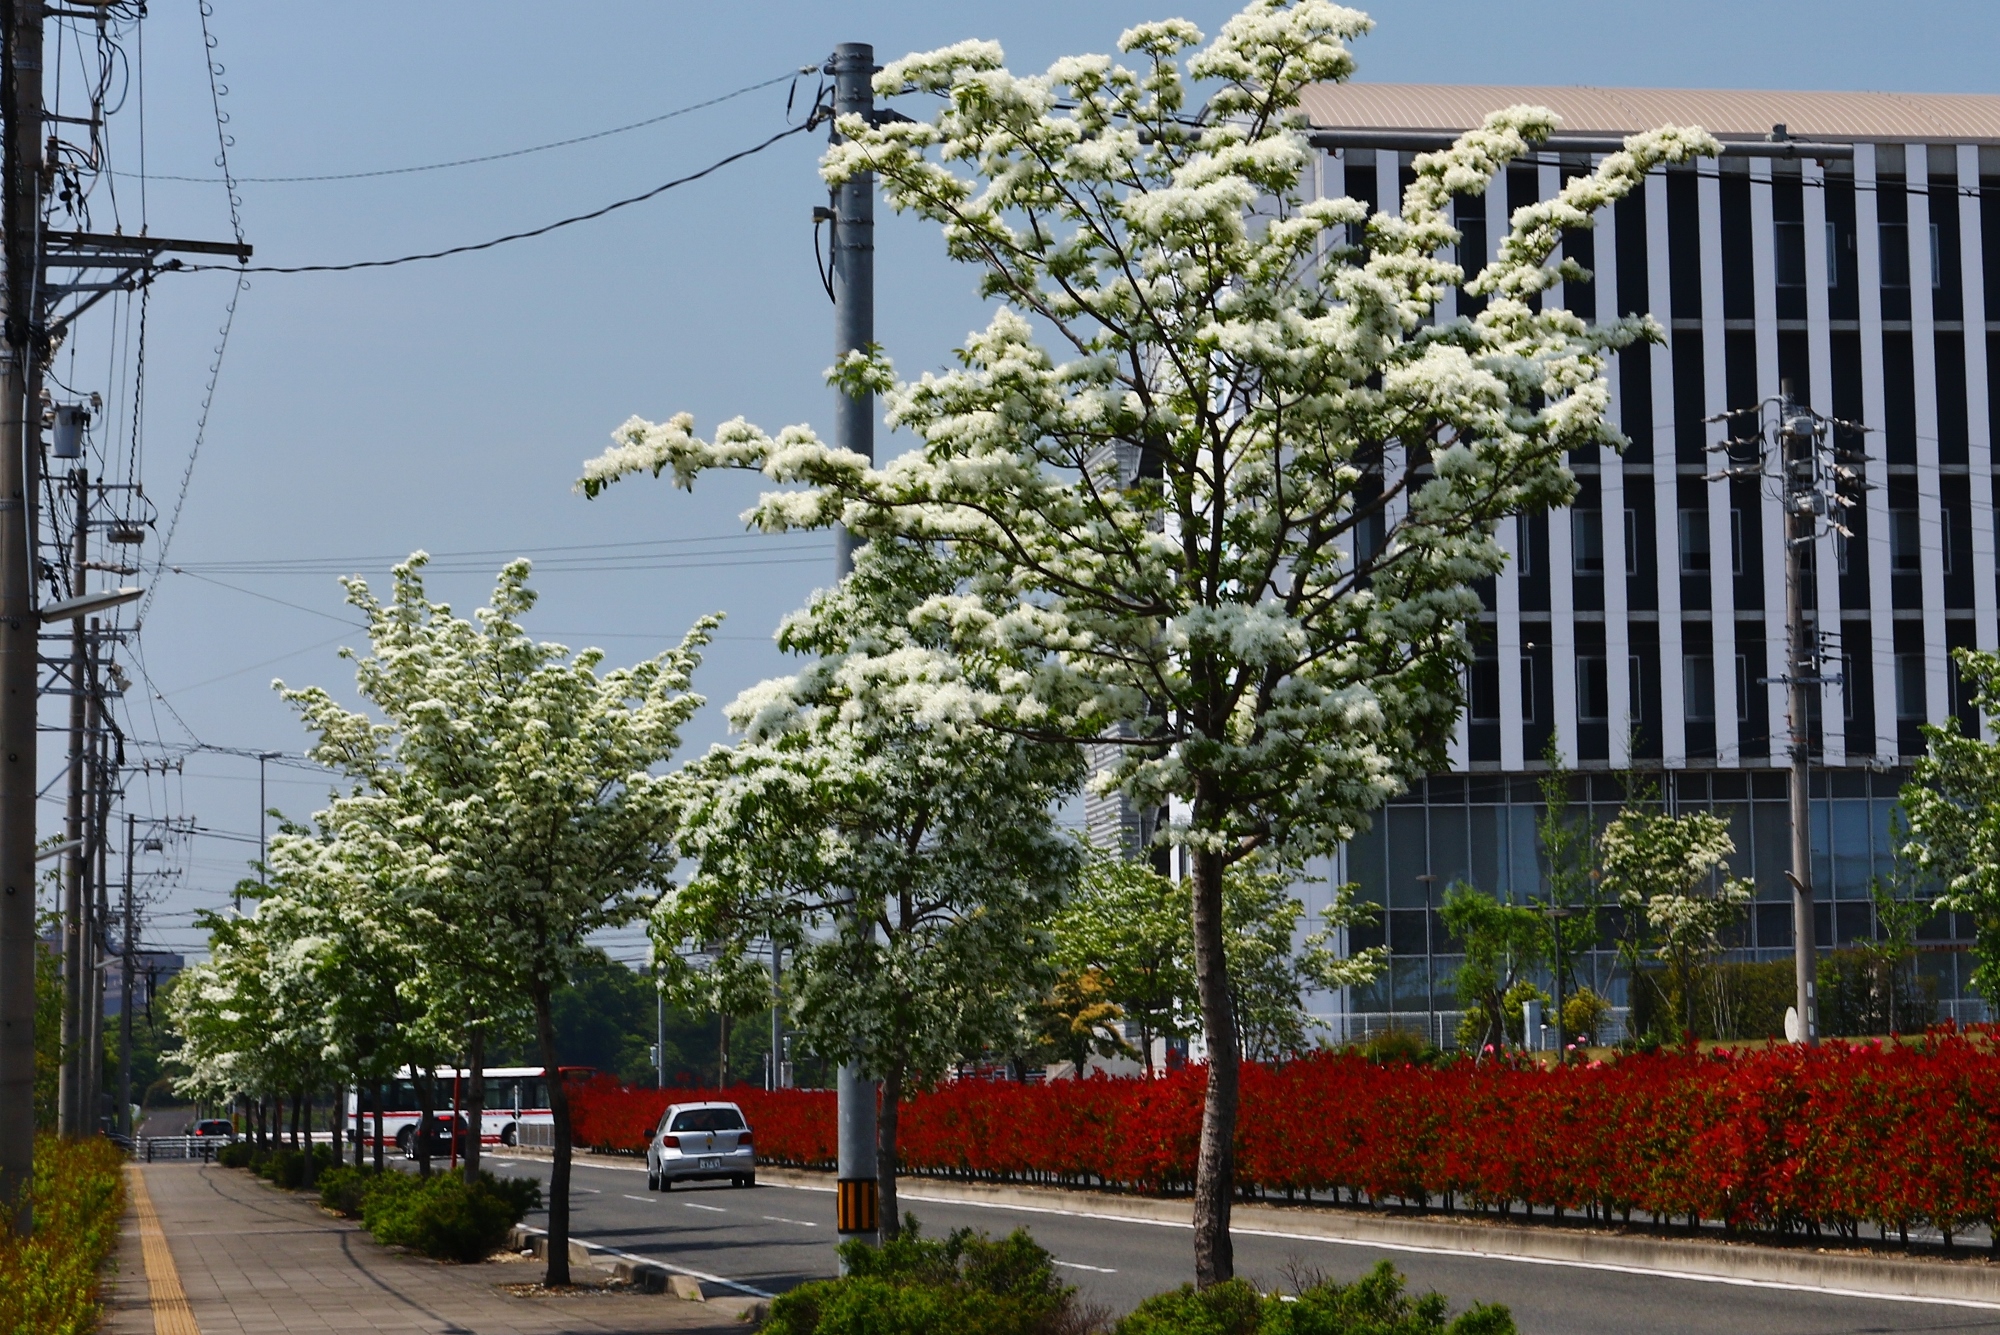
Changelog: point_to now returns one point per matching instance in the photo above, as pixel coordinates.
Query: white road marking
(780, 1219)
(1094, 1269)
(701, 1275)
(715, 1209)
(1830, 1290)
(645, 1199)
(592, 1190)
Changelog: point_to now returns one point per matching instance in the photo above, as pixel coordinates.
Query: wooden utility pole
(20, 423)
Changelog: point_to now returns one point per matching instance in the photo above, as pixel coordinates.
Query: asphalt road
(772, 1238)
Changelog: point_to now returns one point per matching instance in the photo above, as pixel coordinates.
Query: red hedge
(1834, 1137)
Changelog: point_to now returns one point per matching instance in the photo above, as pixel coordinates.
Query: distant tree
(1671, 875)
(1953, 805)
(901, 853)
(1502, 942)
(515, 792)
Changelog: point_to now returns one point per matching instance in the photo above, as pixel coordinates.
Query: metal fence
(198, 1148)
(535, 1135)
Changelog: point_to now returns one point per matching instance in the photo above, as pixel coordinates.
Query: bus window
(499, 1093)
(535, 1093)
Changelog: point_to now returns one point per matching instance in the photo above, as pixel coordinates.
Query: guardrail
(201, 1148)
(535, 1135)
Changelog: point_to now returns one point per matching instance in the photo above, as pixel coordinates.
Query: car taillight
(670, 1142)
(743, 1140)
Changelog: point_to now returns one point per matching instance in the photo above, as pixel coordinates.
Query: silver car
(700, 1141)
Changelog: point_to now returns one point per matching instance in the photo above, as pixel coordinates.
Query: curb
(646, 1273)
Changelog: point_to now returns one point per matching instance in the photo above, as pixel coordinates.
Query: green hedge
(1375, 1304)
(968, 1284)
(48, 1283)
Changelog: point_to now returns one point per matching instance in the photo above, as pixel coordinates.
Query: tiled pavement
(255, 1260)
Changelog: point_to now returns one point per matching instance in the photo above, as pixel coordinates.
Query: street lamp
(1429, 879)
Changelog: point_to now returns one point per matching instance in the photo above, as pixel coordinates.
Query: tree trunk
(426, 1083)
(1215, 1163)
(558, 1239)
(294, 1101)
(889, 1223)
(378, 1126)
(306, 1116)
(475, 1100)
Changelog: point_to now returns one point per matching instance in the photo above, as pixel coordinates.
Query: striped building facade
(1641, 629)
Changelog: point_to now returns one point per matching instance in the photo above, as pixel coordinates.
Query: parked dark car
(214, 1128)
(439, 1130)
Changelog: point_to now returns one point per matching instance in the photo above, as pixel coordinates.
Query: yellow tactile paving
(171, 1314)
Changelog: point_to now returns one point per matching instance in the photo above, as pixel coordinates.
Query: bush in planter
(1375, 1304)
(966, 1283)
(284, 1168)
(442, 1217)
(342, 1190)
(235, 1156)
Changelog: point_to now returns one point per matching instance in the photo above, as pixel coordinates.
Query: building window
(1742, 688)
(1527, 688)
(1483, 694)
(1593, 690)
(1586, 540)
(1635, 688)
(1840, 551)
(1632, 543)
(1944, 537)
(1906, 553)
(1846, 696)
(1896, 266)
(1694, 542)
(1698, 688)
(1909, 687)
(1791, 255)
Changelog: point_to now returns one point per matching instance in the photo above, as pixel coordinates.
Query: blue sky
(447, 406)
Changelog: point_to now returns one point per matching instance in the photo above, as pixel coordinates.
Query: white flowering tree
(512, 789)
(1671, 875)
(1265, 612)
(900, 851)
(1952, 802)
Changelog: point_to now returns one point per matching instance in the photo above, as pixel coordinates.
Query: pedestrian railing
(155, 1148)
(535, 1135)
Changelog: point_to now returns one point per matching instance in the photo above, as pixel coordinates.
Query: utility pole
(1811, 468)
(1799, 433)
(126, 935)
(98, 954)
(76, 863)
(853, 67)
(777, 1020)
(20, 422)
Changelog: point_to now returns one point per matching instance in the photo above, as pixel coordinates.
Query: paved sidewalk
(254, 1260)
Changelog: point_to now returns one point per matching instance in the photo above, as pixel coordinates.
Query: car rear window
(708, 1119)
(212, 1129)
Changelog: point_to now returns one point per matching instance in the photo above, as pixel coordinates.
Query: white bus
(516, 1096)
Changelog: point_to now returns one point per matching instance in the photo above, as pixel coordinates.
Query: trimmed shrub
(342, 1190)
(1375, 1304)
(236, 1155)
(442, 1217)
(966, 1283)
(48, 1283)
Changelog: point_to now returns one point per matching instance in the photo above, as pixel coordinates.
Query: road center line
(1094, 1269)
(717, 1209)
(644, 1200)
(780, 1219)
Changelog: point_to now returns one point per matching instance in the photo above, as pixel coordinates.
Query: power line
(498, 157)
(543, 230)
(342, 564)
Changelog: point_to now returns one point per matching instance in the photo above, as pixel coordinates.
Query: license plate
(714, 1161)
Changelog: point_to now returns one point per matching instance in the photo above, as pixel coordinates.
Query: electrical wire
(543, 230)
(511, 153)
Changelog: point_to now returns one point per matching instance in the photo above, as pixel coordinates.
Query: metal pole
(70, 1098)
(1431, 1023)
(20, 423)
(777, 1022)
(99, 910)
(125, 995)
(856, 1195)
(1796, 454)
(660, 1032)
